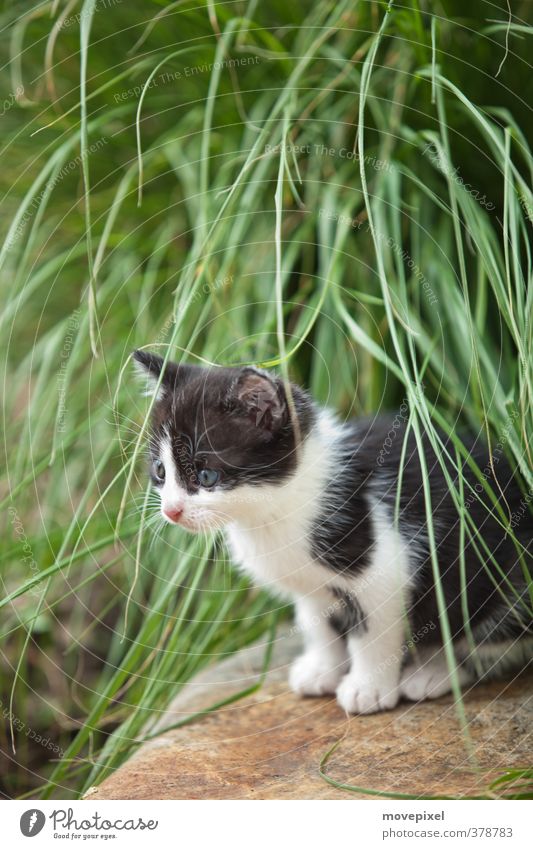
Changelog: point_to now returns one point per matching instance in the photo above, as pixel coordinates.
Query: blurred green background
(341, 190)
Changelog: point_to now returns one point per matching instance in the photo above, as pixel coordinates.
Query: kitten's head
(220, 438)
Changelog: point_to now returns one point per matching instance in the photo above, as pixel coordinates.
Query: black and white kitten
(307, 505)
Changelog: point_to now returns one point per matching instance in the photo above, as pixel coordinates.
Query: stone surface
(269, 745)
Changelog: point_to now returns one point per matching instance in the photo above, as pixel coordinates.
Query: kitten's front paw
(312, 675)
(360, 695)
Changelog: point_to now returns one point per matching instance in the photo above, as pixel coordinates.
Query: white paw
(367, 695)
(421, 682)
(312, 674)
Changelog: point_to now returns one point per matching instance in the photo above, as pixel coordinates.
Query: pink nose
(173, 513)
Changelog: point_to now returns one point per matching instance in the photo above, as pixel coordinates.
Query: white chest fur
(271, 539)
(277, 558)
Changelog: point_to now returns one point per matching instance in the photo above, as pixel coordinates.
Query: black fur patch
(343, 536)
(347, 614)
(235, 421)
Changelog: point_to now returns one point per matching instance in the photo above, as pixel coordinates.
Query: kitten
(307, 505)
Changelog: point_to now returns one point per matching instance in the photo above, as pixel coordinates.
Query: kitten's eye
(208, 477)
(159, 470)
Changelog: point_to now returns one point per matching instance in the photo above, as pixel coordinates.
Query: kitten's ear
(261, 399)
(148, 366)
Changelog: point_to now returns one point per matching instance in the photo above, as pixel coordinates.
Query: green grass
(276, 204)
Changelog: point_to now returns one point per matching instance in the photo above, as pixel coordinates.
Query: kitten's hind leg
(319, 669)
(501, 658)
(429, 676)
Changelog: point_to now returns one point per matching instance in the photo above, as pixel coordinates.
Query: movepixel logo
(32, 822)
